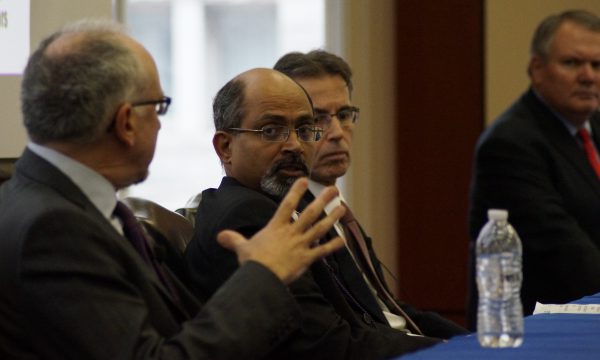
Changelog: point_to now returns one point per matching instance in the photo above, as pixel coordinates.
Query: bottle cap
(497, 214)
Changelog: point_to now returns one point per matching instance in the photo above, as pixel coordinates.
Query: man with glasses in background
(79, 279)
(328, 80)
(265, 138)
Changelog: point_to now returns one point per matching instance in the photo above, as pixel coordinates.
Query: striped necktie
(134, 232)
(355, 239)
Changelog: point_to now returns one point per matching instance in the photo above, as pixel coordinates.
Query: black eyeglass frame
(326, 118)
(317, 132)
(161, 106)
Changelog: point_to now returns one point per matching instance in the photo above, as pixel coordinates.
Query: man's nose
(293, 142)
(334, 130)
(588, 73)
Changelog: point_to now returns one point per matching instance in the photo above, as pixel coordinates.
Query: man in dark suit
(534, 162)
(262, 120)
(79, 280)
(328, 80)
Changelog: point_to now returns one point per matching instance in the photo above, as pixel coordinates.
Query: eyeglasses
(160, 106)
(277, 133)
(345, 116)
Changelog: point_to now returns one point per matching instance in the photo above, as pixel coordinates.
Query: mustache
(289, 161)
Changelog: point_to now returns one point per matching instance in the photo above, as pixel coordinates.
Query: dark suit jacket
(333, 327)
(430, 323)
(74, 288)
(528, 163)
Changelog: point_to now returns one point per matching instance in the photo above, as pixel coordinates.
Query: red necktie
(590, 150)
(353, 233)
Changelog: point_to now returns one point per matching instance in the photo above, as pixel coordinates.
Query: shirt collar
(570, 127)
(95, 186)
(316, 188)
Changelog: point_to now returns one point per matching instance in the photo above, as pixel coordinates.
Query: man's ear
(535, 64)
(222, 142)
(123, 125)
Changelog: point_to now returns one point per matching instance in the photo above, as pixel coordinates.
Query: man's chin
(276, 185)
(140, 178)
(328, 174)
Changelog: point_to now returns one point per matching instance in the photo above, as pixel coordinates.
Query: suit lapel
(41, 171)
(188, 305)
(565, 144)
(185, 306)
(346, 270)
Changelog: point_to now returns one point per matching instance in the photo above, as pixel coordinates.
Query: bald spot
(270, 89)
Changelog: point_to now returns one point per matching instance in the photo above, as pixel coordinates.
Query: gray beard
(276, 186)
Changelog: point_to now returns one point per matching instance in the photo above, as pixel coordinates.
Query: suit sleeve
(560, 259)
(84, 301)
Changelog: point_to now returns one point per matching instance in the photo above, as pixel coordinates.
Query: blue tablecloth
(547, 337)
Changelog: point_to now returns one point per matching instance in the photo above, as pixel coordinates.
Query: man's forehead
(277, 115)
(288, 103)
(280, 103)
(327, 91)
(571, 34)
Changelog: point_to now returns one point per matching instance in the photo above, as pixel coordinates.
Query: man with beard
(265, 138)
(328, 80)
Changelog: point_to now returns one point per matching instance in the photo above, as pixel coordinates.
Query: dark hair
(228, 104)
(314, 64)
(71, 94)
(228, 108)
(544, 33)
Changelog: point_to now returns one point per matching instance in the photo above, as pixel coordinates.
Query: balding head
(75, 80)
(90, 92)
(253, 101)
(229, 103)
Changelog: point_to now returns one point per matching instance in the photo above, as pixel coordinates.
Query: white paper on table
(566, 309)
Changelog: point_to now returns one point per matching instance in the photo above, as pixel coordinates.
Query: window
(198, 46)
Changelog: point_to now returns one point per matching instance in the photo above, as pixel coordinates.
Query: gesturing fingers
(290, 202)
(315, 209)
(320, 228)
(327, 248)
(287, 248)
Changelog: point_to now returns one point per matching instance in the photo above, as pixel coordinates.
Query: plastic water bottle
(499, 277)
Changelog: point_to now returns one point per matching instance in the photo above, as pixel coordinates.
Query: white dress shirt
(395, 321)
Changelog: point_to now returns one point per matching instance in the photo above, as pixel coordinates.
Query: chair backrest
(170, 232)
(191, 208)
(172, 226)
(4, 176)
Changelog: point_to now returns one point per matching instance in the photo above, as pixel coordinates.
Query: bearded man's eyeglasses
(278, 133)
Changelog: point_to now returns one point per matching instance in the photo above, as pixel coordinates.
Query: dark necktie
(356, 240)
(134, 232)
(590, 150)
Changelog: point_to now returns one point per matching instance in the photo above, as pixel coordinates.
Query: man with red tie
(328, 80)
(539, 161)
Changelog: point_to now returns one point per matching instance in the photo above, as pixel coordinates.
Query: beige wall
(368, 45)
(509, 26)
(46, 16)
